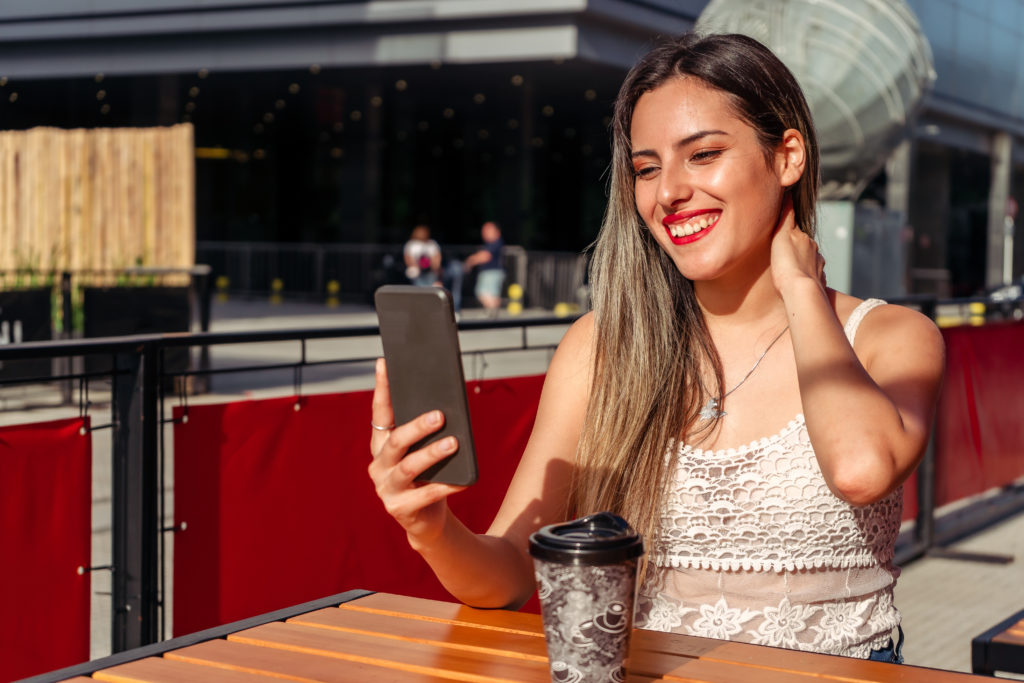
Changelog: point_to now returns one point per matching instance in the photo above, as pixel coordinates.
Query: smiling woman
(754, 424)
(692, 155)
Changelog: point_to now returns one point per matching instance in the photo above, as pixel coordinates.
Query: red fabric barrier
(979, 431)
(280, 509)
(46, 508)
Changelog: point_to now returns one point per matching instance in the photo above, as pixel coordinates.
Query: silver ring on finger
(382, 429)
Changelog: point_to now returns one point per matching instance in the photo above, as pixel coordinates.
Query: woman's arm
(493, 569)
(869, 422)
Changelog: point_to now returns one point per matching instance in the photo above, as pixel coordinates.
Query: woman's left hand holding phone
(420, 508)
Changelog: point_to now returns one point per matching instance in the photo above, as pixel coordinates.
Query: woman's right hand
(420, 508)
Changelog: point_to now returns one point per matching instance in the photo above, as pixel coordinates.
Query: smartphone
(424, 365)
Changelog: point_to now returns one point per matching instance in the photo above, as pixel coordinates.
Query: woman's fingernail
(448, 444)
(434, 417)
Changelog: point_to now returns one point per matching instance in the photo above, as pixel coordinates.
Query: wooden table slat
(432, 610)
(398, 639)
(410, 656)
(163, 670)
(664, 667)
(1014, 635)
(806, 663)
(229, 655)
(442, 634)
(1009, 638)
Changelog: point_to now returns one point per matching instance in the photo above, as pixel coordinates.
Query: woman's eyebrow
(681, 143)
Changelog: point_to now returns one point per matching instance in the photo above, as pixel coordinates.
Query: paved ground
(945, 602)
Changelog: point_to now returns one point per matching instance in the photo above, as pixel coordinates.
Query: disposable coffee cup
(586, 579)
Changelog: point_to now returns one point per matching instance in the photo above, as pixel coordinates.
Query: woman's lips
(690, 226)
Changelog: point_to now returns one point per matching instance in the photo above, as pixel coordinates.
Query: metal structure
(138, 384)
(138, 389)
(864, 66)
(351, 272)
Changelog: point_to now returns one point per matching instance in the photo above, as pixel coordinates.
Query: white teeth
(692, 227)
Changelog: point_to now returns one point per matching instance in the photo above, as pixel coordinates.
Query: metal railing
(137, 371)
(138, 368)
(351, 272)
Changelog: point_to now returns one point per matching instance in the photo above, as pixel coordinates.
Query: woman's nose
(674, 186)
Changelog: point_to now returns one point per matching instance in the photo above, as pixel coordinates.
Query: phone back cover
(424, 364)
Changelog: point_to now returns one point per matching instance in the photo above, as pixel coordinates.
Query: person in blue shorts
(490, 273)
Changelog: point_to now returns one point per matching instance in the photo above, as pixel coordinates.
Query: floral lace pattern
(850, 627)
(752, 545)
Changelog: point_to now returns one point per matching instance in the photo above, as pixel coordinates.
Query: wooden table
(1001, 648)
(364, 636)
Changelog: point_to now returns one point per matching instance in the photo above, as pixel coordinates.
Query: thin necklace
(710, 410)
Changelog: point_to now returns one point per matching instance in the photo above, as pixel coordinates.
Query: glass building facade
(351, 121)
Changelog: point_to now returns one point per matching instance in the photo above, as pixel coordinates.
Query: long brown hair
(651, 340)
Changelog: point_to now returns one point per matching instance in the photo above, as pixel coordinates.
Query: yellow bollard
(515, 299)
(276, 285)
(564, 309)
(976, 313)
(222, 285)
(332, 293)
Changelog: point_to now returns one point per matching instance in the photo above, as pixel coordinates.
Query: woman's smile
(689, 226)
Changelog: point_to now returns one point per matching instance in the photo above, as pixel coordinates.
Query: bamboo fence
(97, 200)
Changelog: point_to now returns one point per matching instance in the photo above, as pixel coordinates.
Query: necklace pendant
(710, 410)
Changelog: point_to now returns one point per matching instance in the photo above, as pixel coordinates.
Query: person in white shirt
(422, 258)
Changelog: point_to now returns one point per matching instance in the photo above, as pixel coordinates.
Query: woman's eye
(645, 172)
(705, 155)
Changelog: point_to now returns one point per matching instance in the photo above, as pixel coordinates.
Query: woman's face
(702, 184)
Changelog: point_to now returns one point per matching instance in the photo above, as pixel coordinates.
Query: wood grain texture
(446, 612)
(289, 665)
(758, 661)
(410, 656)
(384, 637)
(97, 199)
(164, 670)
(473, 638)
(1012, 636)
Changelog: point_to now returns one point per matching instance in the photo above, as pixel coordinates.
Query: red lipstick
(683, 217)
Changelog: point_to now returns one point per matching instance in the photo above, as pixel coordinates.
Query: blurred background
(345, 123)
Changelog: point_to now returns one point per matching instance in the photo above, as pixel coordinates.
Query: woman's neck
(740, 300)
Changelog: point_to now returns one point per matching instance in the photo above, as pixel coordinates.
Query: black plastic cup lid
(602, 538)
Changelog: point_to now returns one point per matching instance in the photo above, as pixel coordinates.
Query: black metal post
(66, 363)
(66, 305)
(924, 526)
(203, 294)
(135, 526)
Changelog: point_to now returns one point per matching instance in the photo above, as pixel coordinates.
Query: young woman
(755, 425)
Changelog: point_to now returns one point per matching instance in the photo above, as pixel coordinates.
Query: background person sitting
(422, 258)
(490, 274)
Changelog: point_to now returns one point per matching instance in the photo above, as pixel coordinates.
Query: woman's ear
(790, 157)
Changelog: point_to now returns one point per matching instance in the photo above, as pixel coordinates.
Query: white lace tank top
(754, 547)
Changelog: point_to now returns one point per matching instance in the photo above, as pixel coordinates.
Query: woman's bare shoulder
(579, 338)
(894, 328)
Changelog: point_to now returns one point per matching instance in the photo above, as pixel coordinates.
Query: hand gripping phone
(424, 366)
